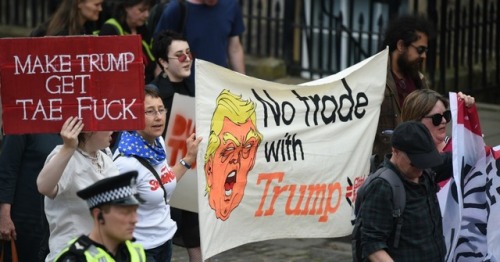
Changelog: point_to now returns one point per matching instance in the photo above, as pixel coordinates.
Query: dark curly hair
(162, 42)
(405, 28)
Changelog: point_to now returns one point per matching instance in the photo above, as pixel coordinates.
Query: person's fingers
(198, 140)
(67, 122)
(469, 100)
(5, 236)
(74, 128)
(194, 143)
(78, 127)
(8, 234)
(195, 138)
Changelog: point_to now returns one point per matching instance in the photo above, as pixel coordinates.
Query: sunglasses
(420, 49)
(183, 57)
(438, 118)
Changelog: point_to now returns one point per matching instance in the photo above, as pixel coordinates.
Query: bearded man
(407, 38)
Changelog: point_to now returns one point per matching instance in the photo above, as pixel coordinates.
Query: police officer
(113, 205)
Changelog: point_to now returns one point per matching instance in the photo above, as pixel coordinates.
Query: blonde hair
(235, 109)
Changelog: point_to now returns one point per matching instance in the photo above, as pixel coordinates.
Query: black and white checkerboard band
(111, 195)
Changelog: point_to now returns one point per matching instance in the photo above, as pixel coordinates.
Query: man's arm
(236, 54)
(376, 214)
(445, 170)
(380, 256)
(11, 160)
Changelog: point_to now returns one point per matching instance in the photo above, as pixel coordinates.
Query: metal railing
(469, 40)
(25, 13)
(315, 38)
(320, 37)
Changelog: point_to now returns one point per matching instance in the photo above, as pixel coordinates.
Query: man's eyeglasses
(182, 57)
(438, 118)
(420, 49)
(154, 112)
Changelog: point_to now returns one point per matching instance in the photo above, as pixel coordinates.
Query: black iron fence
(316, 38)
(26, 13)
(469, 40)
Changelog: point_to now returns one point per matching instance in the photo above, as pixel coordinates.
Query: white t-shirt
(67, 214)
(154, 226)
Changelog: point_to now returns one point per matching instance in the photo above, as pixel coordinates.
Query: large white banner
(469, 202)
(282, 161)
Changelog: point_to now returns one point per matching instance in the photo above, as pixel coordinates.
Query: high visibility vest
(96, 254)
(118, 27)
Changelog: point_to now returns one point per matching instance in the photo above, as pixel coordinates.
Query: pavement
(325, 249)
(290, 250)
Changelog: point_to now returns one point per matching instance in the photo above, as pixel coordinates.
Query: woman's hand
(190, 158)
(469, 100)
(192, 143)
(70, 131)
(52, 171)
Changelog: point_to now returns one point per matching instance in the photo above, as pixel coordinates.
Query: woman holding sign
(70, 167)
(431, 108)
(144, 151)
(174, 57)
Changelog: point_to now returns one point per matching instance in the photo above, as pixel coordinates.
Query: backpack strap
(398, 201)
(146, 164)
(357, 221)
(398, 197)
(356, 240)
(360, 193)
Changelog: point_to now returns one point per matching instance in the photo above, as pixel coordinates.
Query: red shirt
(404, 87)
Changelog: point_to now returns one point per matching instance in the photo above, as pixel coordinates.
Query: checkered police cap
(116, 190)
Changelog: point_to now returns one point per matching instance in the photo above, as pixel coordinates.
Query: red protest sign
(46, 80)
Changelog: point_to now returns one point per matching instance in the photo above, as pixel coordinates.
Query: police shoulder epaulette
(80, 245)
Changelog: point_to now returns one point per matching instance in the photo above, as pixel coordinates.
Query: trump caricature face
(227, 167)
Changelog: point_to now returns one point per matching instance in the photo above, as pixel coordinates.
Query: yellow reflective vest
(94, 253)
(118, 27)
